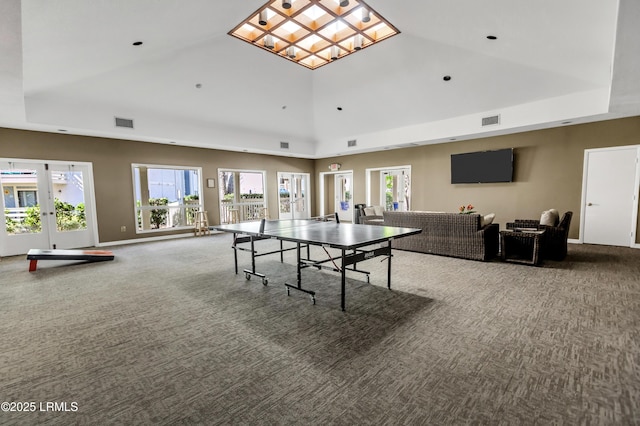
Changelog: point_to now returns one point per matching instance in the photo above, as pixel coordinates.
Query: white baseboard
(574, 241)
(149, 239)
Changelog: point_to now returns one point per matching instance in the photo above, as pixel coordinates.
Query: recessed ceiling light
(61, 130)
(137, 43)
(566, 122)
(339, 108)
(492, 37)
(452, 139)
(284, 107)
(446, 78)
(198, 85)
(172, 141)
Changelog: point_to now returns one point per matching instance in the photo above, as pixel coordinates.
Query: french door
(395, 189)
(293, 196)
(46, 205)
(343, 193)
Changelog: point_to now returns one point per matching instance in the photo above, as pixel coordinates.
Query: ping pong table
(356, 243)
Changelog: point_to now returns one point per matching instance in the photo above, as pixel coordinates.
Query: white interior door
(610, 196)
(45, 206)
(343, 196)
(293, 198)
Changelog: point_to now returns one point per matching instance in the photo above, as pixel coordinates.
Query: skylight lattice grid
(314, 33)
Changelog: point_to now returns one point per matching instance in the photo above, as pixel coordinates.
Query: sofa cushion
(369, 211)
(550, 217)
(487, 219)
(378, 210)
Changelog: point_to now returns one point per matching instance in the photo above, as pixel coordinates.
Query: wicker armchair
(374, 216)
(554, 244)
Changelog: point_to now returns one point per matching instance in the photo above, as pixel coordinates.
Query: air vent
(124, 122)
(284, 145)
(351, 143)
(490, 121)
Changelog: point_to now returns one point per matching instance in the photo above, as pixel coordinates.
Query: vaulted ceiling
(70, 65)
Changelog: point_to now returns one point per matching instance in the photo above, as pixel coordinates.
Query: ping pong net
(274, 226)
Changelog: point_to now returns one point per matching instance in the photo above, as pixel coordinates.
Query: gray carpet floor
(168, 334)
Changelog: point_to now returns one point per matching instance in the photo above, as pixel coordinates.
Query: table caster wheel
(368, 279)
(288, 292)
(265, 281)
(313, 300)
(247, 277)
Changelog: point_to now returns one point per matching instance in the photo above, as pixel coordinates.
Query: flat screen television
(482, 167)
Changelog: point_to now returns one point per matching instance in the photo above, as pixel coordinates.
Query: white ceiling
(70, 64)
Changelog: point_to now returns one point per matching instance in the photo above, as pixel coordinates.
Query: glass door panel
(395, 186)
(72, 223)
(284, 196)
(343, 194)
(24, 187)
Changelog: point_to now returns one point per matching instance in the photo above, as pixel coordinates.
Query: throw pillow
(369, 211)
(550, 218)
(487, 219)
(378, 210)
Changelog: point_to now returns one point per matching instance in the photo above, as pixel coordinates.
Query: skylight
(314, 33)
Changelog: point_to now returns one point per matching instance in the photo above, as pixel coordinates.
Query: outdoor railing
(168, 216)
(250, 210)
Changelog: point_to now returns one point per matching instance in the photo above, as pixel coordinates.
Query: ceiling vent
(490, 121)
(284, 145)
(351, 143)
(124, 122)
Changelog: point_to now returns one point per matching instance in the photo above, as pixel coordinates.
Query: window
(242, 191)
(166, 197)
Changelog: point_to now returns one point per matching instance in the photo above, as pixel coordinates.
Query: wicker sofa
(447, 234)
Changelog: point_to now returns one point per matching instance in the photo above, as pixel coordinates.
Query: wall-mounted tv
(482, 167)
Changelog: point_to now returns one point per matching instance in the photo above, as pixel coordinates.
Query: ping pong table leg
(343, 279)
(253, 255)
(235, 251)
(298, 285)
(33, 264)
(389, 267)
(248, 273)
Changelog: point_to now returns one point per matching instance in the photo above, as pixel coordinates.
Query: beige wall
(112, 159)
(547, 170)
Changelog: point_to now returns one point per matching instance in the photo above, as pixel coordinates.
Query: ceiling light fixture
(357, 42)
(366, 15)
(319, 31)
(268, 42)
(263, 18)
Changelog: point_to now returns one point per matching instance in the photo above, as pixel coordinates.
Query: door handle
(589, 204)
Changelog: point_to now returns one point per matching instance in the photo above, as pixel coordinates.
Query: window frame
(183, 206)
